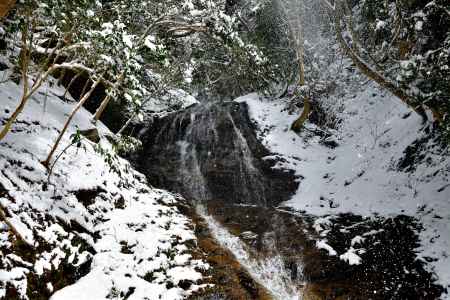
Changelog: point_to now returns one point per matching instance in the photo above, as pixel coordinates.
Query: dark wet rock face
(210, 151)
(389, 267)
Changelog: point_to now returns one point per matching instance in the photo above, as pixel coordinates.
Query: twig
(12, 228)
(57, 158)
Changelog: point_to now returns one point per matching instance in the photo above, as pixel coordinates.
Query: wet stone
(211, 152)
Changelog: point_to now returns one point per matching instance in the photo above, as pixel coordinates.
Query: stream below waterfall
(269, 270)
(210, 154)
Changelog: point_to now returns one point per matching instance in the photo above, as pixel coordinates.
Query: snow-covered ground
(360, 175)
(133, 235)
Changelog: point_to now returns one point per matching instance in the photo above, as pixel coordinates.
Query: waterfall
(211, 155)
(190, 174)
(216, 156)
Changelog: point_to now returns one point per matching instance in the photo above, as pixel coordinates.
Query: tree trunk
(298, 123)
(12, 228)
(106, 100)
(24, 60)
(71, 83)
(41, 77)
(102, 107)
(372, 74)
(13, 117)
(6, 6)
(27, 94)
(46, 163)
(127, 123)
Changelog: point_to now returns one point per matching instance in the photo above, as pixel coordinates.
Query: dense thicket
(403, 45)
(409, 42)
(143, 53)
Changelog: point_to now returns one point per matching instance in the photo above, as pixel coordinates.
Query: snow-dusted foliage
(408, 41)
(136, 50)
(86, 231)
(403, 46)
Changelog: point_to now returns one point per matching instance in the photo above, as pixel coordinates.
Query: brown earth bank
(228, 279)
(5, 7)
(389, 269)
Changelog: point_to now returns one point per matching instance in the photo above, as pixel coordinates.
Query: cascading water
(190, 173)
(210, 154)
(268, 270)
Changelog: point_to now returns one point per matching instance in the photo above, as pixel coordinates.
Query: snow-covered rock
(103, 221)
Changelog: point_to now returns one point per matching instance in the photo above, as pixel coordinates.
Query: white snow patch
(133, 239)
(351, 257)
(322, 244)
(359, 176)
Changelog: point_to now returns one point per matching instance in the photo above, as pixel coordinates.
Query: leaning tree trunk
(29, 91)
(46, 163)
(107, 99)
(102, 108)
(12, 228)
(372, 74)
(298, 123)
(6, 6)
(71, 83)
(127, 123)
(25, 57)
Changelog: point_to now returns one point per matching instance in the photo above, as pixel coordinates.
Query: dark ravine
(217, 160)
